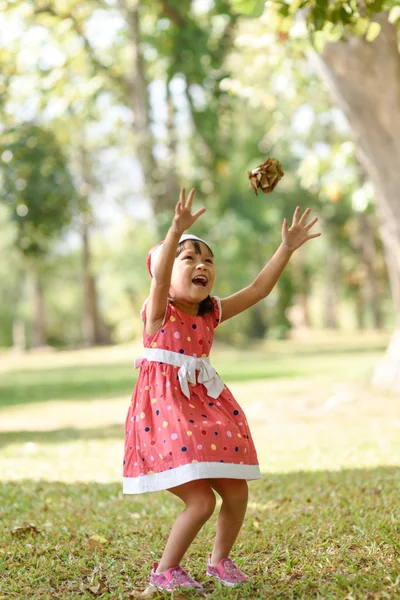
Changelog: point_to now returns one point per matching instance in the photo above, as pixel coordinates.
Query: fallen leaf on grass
(134, 515)
(99, 539)
(99, 589)
(151, 591)
(96, 541)
(25, 528)
(147, 593)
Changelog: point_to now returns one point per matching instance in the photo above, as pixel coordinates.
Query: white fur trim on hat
(156, 252)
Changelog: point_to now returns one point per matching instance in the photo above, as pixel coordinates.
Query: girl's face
(193, 274)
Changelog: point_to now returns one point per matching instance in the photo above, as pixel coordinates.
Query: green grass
(325, 535)
(79, 383)
(275, 360)
(323, 523)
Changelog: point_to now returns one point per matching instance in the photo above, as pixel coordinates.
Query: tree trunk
(387, 372)
(18, 326)
(360, 306)
(19, 334)
(258, 327)
(39, 327)
(91, 326)
(94, 330)
(305, 308)
(171, 181)
(365, 79)
(303, 287)
(368, 252)
(161, 180)
(332, 276)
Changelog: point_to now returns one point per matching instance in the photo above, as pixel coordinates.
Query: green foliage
(194, 49)
(229, 113)
(338, 18)
(250, 8)
(10, 277)
(62, 281)
(37, 186)
(124, 282)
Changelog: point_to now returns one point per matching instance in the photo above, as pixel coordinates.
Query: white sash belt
(187, 372)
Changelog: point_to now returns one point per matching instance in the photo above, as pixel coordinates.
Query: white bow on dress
(207, 375)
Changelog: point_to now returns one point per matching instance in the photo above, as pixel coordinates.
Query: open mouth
(200, 280)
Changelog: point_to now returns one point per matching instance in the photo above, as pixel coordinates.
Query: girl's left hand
(298, 234)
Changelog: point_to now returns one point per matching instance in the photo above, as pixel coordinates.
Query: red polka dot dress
(178, 429)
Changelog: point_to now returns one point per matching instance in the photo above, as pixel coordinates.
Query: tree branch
(123, 82)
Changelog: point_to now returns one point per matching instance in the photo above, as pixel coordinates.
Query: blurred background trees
(356, 51)
(130, 100)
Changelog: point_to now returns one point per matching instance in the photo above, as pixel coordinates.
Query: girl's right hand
(183, 218)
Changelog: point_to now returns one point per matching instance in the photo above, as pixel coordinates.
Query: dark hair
(207, 305)
(196, 245)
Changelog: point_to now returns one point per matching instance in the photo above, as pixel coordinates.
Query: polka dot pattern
(165, 429)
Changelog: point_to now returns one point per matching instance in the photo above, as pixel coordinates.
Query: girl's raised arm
(266, 280)
(157, 302)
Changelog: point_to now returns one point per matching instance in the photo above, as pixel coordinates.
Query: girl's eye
(190, 257)
(209, 261)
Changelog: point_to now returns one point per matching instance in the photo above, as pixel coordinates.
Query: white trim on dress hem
(190, 472)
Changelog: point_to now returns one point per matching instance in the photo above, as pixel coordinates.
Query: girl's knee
(243, 490)
(234, 491)
(238, 494)
(203, 504)
(198, 497)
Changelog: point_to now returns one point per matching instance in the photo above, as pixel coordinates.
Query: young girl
(185, 432)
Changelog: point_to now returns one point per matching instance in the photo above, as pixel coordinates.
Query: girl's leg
(200, 503)
(234, 494)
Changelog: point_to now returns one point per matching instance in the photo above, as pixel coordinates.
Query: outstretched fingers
(311, 224)
(198, 214)
(304, 216)
(296, 216)
(190, 199)
(181, 202)
(183, 211)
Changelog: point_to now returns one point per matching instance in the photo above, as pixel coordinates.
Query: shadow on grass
(67, 434)
(107, 380)
(92, 382)
(366, 349)
(66, 383)
(330, 535)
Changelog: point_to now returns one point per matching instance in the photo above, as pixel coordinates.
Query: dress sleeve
(217, 314)
(143, 311)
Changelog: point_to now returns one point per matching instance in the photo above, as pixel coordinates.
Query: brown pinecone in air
(266, 176)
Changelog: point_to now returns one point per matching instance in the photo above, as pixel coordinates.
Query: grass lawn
(323, 523)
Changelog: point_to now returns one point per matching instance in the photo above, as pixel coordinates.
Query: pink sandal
(172, 579)
(226, 572)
